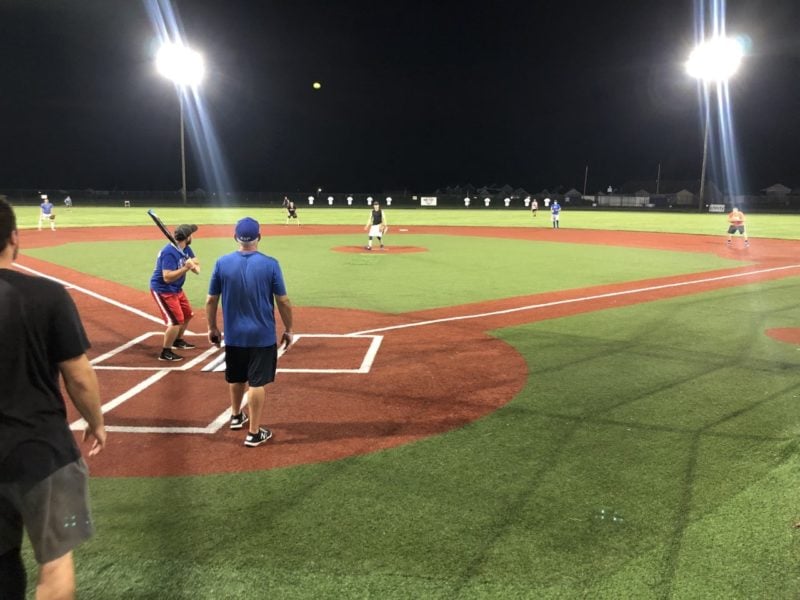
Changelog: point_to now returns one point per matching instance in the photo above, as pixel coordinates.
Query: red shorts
(174, 307)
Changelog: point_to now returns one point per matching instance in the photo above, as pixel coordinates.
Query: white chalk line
(574, 300)
(374, 346)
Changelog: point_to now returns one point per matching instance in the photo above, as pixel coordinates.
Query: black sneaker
(181, 344)
(238, 421)
(256, 439)
(169, 356)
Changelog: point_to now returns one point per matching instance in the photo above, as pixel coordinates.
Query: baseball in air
(316, 85)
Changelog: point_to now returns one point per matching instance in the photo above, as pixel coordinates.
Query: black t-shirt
(39, 328)
(377, 217)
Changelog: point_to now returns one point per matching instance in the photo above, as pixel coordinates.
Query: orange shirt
(736, 217)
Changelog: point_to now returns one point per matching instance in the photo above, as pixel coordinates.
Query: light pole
(713, 61)
(185, 68)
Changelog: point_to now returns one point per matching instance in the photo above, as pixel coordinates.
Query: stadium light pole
(185, 68)
(713, 61)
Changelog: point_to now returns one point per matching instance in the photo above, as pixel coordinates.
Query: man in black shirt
(43, 479)
(376, 225)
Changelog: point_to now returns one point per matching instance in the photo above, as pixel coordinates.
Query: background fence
(683, 201)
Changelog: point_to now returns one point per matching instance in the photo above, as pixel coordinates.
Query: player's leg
(236, 362)
(12, 569)
(261, 371)
(56, 579)
(57, 518)
(170, 335)
(255, 400)
(12, 574)
(186, 310)
(236, 392)
(170, 307)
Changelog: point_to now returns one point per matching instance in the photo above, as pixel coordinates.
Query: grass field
(652, 453)
(762, 225)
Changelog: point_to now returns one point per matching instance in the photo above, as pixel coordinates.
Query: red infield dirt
(354, 382)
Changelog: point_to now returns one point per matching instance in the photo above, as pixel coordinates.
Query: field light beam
(186, 69)
(713, 62)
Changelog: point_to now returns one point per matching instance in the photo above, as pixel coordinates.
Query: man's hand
(214, 336)
(99, 435)
(286, 340)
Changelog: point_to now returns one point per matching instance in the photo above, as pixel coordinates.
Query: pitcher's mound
(790, 335)
(388, 249)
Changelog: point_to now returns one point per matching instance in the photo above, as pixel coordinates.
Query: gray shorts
(55, 512)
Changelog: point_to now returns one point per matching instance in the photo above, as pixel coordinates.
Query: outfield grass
(760, 225)
(486, 268)
(662, 415)
(651, 454)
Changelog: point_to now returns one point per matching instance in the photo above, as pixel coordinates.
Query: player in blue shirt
(250, 284)
(555, 210)
(166, 287)
(46, 213)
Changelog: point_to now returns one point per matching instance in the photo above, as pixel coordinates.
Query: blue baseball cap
(247, 230)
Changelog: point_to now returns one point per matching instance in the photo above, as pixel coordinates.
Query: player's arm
(285, 310)
(369, 223)
(170, 275)
(81, 383)
(212, 304)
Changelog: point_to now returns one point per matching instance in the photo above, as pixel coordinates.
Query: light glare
(716, 59)
(180, 64)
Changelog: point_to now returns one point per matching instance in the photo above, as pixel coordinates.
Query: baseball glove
(52, 217)
(384, 229)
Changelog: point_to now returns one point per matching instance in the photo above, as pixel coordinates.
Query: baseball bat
(167, 234)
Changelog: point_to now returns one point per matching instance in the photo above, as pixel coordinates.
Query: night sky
(415, 94)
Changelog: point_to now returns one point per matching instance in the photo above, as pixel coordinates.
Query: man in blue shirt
(250, 284)
(166, 287)
(555, 211)
(46, 213)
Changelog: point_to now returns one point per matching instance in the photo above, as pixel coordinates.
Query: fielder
(736, 223)
(46, 213)
(377, 225)
(555, 212)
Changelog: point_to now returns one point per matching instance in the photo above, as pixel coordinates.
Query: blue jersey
(169, 259)
(47, 207)
(248, 283)
(555, 208)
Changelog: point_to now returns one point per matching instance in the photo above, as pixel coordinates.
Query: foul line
(575, 300)
(66, 284)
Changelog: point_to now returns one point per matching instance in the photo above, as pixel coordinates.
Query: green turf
(388, 282)
(651, 454)
(758, 225)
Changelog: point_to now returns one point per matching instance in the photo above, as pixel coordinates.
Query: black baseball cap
(182, 232)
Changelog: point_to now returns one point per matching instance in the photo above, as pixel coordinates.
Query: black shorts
(734, 228)
(292, 214)
(54, 511)
(255, 366)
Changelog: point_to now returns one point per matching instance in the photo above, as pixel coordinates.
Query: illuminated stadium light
(713, 62)
(185, 68)
(716, 59)
(180, 64)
